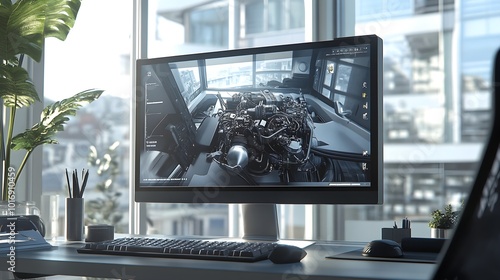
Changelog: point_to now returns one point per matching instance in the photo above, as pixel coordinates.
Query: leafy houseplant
(443, 220)
(24, 25)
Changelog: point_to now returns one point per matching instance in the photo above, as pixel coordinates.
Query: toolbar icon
(364, 166)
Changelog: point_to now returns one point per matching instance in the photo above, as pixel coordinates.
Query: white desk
(64, 260)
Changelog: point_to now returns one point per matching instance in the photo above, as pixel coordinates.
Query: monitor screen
(297, 123)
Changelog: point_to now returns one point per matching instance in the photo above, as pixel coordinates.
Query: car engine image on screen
(298, 117)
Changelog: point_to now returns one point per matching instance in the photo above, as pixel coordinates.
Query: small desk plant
(442, 221)
(24, 25)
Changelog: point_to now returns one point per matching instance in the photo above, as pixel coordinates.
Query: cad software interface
(299, 117)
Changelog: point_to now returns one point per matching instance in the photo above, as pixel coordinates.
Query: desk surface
(64, 260)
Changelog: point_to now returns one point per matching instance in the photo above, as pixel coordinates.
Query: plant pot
(440, 233)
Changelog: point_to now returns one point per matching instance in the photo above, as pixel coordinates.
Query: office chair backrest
(474, 250)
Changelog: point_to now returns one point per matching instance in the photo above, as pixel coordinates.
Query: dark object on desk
(415, 250)
(75, 214)
(182, 248)
(287, 254)
(383, 248)
(408, 256)
(101, 232)
(396, 234)
(472, 252)
(28, 222)
(417, 244)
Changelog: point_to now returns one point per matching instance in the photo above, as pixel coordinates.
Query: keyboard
(182, 248)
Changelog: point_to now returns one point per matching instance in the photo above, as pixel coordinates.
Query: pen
(69, 185)
(406, 223)
(76, 188)
(85, 175)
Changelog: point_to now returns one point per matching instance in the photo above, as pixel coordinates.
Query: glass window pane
(254, 22)
(209, 26)
(96, 54)
(275, 21)
(296, 14)
(436, 100)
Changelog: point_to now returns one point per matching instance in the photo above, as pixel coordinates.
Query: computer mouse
(283, 253)
(384, 248)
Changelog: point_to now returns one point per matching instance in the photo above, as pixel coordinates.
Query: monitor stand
(260, 222)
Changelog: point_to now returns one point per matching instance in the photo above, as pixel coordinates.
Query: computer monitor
(288, 124)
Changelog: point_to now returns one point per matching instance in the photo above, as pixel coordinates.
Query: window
(436, 102)
(96, 54)
(208, 25)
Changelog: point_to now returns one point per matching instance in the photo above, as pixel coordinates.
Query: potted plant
(24, 25)
(442, 221)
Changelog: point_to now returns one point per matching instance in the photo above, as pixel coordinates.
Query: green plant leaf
(52, 120)
(61, 18)
(28, 22)
(5, 46)
(16, 87)
(444, 220)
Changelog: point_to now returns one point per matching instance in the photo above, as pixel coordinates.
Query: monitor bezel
(277, 194)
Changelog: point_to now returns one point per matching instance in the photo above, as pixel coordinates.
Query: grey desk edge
(64, 260)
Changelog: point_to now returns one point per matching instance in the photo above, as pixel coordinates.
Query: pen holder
(74, 219)
(396, 234)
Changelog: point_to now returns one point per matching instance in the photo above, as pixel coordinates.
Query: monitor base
(260, 222)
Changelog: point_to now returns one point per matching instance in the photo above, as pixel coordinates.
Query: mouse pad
(419, 257)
